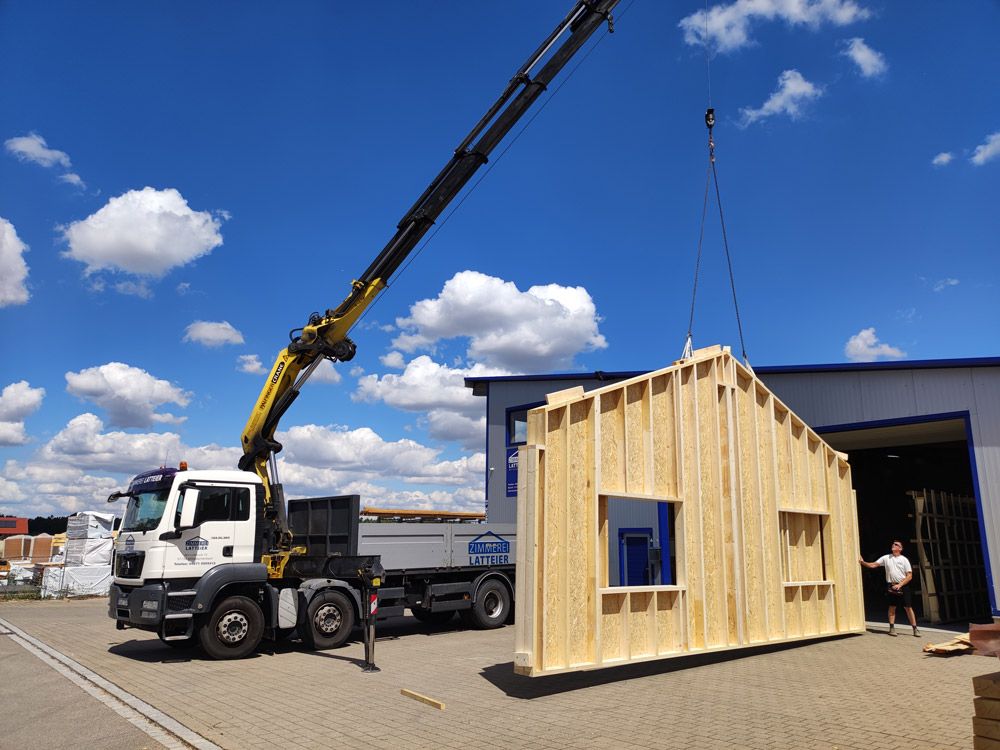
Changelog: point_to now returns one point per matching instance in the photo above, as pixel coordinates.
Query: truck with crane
(219, 557)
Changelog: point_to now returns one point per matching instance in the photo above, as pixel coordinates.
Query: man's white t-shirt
(896, 567)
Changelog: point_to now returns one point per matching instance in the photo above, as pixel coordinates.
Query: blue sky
(181, 184)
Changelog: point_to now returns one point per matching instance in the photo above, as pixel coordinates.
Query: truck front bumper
(138, 606)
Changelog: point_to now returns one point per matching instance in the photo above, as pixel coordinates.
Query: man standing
(898, 573)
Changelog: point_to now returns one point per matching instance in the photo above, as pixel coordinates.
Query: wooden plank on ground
(423, 699)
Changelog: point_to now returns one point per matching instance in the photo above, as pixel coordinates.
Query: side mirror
(187, 504)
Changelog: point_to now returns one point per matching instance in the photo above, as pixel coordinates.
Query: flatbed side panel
(408, 546)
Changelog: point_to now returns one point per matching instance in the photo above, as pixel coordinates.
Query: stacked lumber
(986, 722)
(960, 644)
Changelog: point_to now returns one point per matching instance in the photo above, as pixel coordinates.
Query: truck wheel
(432, 618)
(491, 607)
(329, 620)
(233, 630)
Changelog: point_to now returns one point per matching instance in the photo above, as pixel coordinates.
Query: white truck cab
(179, 524)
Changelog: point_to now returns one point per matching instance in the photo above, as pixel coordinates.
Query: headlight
(150, 604)
(149, 614)
(122, 601)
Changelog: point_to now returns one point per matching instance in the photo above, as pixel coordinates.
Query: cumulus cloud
(943, 158)
(84, 462)
(17, 401)
(870, 63)
(793, 91)
(425, 385)
(250, 363)
(13, 269)
(726, 28)
(325, 372)
(469, 432)
(864, 346)
(942, 284)
(33, 148)
(212, 334)
(143, 232)
(987, 151)
(393, 359)
(540, 329)
(366, 455)
(129, 395)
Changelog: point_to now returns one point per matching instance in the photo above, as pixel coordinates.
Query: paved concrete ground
(40, 708)
(867, 691)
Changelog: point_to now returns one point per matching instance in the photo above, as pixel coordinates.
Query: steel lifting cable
(711, 175)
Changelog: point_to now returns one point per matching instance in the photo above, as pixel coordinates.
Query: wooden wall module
(765, 521)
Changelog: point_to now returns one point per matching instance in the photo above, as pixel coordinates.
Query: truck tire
(432, 618)
(491, 607)
(233, 630)
(329, 620)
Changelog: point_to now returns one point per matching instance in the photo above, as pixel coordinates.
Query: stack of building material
(16, 547)
(88, 538)
(986, 722)
(960, 644)
(87, 568)
(41, 548)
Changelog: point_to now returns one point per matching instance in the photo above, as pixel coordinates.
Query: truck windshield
(145, 510)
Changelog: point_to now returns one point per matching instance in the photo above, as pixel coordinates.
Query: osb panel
(765, 521)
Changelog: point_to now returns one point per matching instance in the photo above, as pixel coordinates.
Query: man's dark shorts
(905, 598)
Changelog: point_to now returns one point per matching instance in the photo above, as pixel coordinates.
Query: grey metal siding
(831, 398)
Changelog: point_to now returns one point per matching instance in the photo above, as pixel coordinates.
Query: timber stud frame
(766, 530)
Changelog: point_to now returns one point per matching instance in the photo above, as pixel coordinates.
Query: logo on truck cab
(489, 549)
(195, 543)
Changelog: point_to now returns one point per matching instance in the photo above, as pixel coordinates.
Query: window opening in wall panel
(639, 542)
(803, 551)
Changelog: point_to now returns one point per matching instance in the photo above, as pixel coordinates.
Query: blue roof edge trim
(902, 364)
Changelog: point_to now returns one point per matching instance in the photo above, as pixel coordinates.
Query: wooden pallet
(766, 536)
(949, 556)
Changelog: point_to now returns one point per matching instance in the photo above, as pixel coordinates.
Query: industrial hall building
(923, 441)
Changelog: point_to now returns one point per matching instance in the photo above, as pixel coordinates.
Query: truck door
(212, 541)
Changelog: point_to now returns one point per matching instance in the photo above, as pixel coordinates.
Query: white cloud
(44, 488)
(325, 372)
(864, 346)
(540, 329)
(34, 149)
(943, 284)
(134, 289)
(17, 401)
(212, 334)
(13, 269)
(144, 232)
(250, 363)
(727, 27)
(469, 432)
(72, 178)
(425, 385)
(183, 288)
(129, 394)
(393, 359)
(870, 62)
(987, 151)
(65, 473)
(943, 158)
(357, 371)
(364, 454)
(793, 91)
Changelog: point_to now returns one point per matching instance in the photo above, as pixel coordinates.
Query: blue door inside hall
(634, 556)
